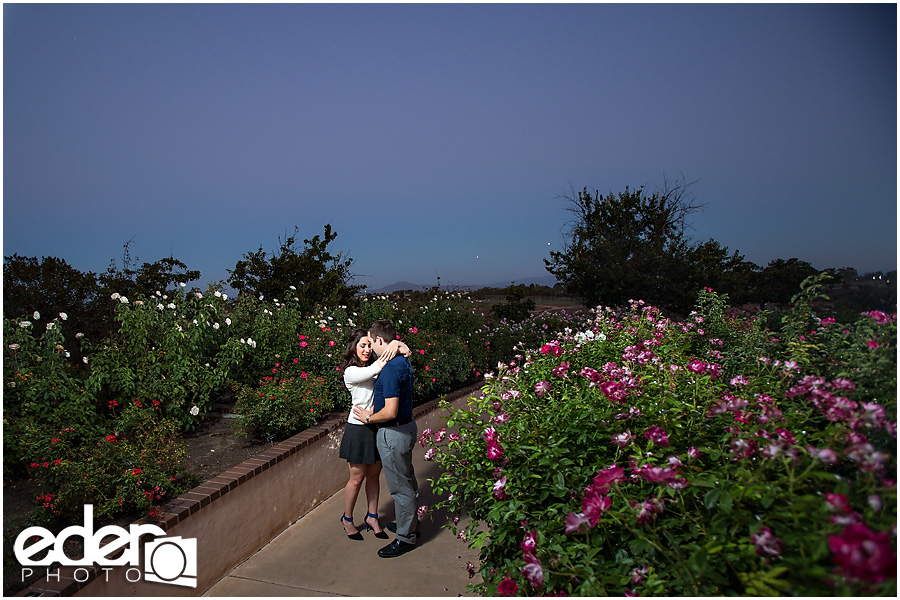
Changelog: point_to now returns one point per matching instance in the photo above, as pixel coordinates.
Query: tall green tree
(49, 286)
(630, 245)
(317, 275)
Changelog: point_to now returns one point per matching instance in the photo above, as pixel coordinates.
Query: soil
(212, 449)
(215, 448)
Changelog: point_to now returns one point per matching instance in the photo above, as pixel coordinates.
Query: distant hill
(400, 285)
(548, 280)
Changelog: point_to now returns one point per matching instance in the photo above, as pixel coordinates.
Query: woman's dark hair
(351, 359)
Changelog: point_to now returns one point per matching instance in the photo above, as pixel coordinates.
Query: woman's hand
(391, 350)
(397, 347)
(382, 360)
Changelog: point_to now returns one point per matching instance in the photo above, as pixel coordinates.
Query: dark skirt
(358, 445)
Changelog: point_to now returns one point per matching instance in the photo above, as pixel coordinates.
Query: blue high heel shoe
(353, 536)
(381, 534)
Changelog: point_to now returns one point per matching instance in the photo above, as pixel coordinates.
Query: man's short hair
(384, 329)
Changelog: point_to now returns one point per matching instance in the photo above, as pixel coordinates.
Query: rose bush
(135, 467)
(287, 401)
(167, 350)
(711, 456)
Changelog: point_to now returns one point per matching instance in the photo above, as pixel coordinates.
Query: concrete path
(313, 557)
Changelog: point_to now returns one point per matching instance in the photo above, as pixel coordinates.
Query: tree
(49, 286)
(781, 279)
(146, 279)
(517, 307)
(714, 268)
(629, 245)
(317, 275)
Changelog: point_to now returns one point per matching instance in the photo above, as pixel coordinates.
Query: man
(396, 437)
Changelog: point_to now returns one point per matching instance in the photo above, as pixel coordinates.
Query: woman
(358, 444)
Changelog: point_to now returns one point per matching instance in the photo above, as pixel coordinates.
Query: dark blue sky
(429, 135)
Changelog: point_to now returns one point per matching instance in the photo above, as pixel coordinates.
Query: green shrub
(647, 456)
(135, 468)
(166, 351)
(42, 388)
(284, 404)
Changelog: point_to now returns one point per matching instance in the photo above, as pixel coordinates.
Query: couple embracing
(380, 433)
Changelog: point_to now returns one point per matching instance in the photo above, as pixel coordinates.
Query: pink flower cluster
(880, 317)
(864, 454)
(614, 381)
(764, 411)
(560, 371)
(542, 387)
(552, 348)
(639, 353)
(595, 501)
(863, 554)
(700, 366)
(766, 543)
(533, 571)
(499, 489)
(494, 449)
(656, 474)
(507, 587)
(657, 435)
(828, 397)
(647, 510)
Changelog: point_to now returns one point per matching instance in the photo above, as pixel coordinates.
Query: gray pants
(395, 445)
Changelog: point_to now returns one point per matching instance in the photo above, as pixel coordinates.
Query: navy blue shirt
(396, 381)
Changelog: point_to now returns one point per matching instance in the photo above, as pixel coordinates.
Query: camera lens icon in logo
(171, 560)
